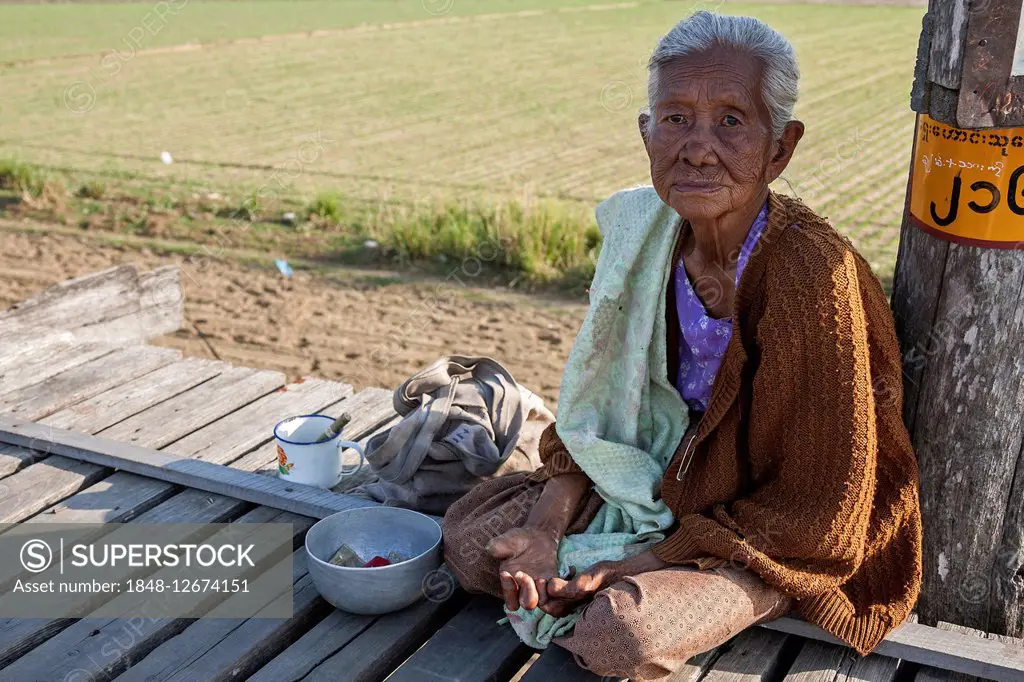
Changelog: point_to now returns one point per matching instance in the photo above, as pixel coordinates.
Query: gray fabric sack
(464, 420)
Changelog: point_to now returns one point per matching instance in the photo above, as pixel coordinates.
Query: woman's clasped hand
(529, 572)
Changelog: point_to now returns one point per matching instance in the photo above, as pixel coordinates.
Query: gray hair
(704, 30)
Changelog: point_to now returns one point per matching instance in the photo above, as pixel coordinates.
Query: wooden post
(959, 312)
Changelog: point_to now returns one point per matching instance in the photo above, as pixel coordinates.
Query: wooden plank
(820, 662)
(558, 664)
(949, 31)
(43, 483)
(218, 650)
(471, 647)
(325, 639)
(241, 431)
(157, 426)
(930, 674)
(77, 302)
(753, 655)
(193, 473)
(115, 499)
(89, 644)
(118, 498)
(195, 408)
(695, 669)
(13, 459)
(123, 494)
(19, 635)
(915, 643)
(47, 362)
(19, 342)
(84, 381)
(375, 651)
(28, 345)
(117, 306)
(102, 501)
(555, 663)
(119, 403)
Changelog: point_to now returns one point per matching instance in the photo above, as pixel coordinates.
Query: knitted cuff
(681, 548)
(554, 456)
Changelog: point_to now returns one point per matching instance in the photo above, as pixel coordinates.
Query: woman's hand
(529, 555)
(563, 595)
(529, 558)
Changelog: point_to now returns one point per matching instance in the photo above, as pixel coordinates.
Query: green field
(484, 101)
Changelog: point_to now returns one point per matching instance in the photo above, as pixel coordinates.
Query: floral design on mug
(283, 465)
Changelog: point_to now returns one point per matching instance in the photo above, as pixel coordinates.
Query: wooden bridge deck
(74, 367)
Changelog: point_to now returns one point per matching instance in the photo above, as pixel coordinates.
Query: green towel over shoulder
(619, 416)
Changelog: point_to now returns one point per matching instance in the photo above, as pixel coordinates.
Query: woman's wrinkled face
(711, 143)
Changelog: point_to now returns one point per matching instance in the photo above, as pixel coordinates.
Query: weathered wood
(949, 31)
(927, 645)
(695, 669)
(84, 381)
(231, 648)
(190, 506)
(968, 435)
(196, 407)
(325, 639)
(375, 651)
(123, 401)
(19, 341)
(194, 473)
(381, 646)
(29, 345)
(115, 499)
(558, 664)
(471, 647)
(989, 94)
(43, 483)
(753, 654)
(916, 287)
(13, 458)
(47, 362)
(820, 662)
(919, 91)
(251, 644)
(77, 302)
(86, 645)
(20, 635)
(118, 498)
(244, 429)
(117, 306)
(930, 674)
(1008, 617)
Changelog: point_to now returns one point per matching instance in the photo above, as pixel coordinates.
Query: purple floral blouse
(702, 338)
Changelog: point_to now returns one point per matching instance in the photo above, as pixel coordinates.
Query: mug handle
(358, 448)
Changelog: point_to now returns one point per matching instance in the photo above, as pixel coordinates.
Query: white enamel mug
(302, 460)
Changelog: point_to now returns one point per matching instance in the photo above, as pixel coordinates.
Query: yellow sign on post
(967, 186)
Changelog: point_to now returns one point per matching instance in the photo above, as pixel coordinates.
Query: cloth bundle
(465, 419)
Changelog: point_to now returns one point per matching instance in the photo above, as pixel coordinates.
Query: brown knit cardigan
(801, 468)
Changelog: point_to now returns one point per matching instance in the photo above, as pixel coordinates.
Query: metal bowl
(374, 531)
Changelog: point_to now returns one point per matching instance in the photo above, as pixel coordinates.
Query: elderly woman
(729, 444)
